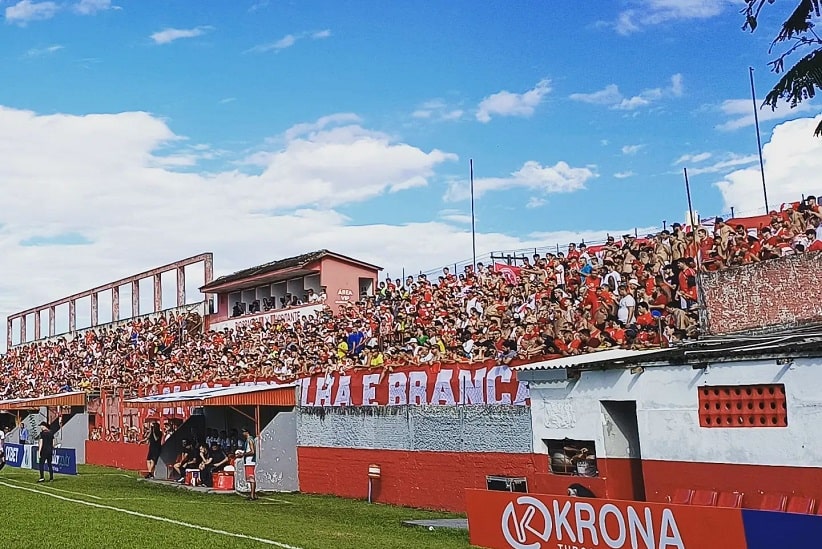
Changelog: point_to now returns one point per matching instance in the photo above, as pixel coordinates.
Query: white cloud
(437, 110)
(727, 163)
(90, 7)
(624, 175)
(226, 100)
(535, 202)
(740, 113)
(693, 158)
(289, 40)
(455, 216)
(655, 12)
(611, 97)
(629, 150)
(169, 35)
(40, 52)
(793, 162)
(24, 11)
(507, 103)
(106, 187)
(559, 178)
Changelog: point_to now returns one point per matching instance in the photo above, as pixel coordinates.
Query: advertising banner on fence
(64, 460)
(15, 455)
(446, 385)
(505, 520)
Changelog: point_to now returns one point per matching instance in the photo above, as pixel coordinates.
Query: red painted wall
(432, 480)
(662, 478)
(762, 295)
(121, 455)
(437, 480)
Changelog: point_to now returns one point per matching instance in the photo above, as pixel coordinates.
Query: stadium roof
(275, 271)
(610, 356)
(77, 398)
(242, 395)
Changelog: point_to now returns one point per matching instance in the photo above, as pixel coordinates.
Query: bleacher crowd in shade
(633, 293)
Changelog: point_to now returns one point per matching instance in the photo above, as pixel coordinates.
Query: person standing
(45, 450)
(250, 460)
(3, 447)
(154, 438)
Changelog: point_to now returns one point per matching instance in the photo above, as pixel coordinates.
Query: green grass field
(109, 508)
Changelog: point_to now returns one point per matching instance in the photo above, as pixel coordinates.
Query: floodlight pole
(759, 140)
(473, 221)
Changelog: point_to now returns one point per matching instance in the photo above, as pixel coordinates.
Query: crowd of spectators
(633, 293)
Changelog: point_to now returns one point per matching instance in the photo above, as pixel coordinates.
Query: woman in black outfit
(154, 439)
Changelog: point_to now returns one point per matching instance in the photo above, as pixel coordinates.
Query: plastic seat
(729, 499)
(800, 504)
(682, 496)
(705, 498)
(773, 502)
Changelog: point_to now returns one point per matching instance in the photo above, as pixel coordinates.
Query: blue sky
(262, 105)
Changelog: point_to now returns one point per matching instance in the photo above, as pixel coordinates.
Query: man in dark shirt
(46, 450)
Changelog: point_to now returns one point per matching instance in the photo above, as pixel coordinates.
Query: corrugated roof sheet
(76, 398)
(241, 395)
(588, 359)
(297, 261)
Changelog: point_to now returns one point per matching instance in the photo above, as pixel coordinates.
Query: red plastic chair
(773, 502)
(730, 499)
(800, 504)
(705, 498)
(682, 496)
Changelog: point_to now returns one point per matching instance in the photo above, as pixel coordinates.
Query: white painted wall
(667, 412)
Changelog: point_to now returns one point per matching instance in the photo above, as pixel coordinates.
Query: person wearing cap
(249, 455)
(45, 450)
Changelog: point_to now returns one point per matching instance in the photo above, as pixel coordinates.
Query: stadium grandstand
(632, 292)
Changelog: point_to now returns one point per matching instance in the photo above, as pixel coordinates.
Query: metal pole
(688, 192)
(759, 140)
(473, 222)
(369, 489)
(732, 212)
(691, 215)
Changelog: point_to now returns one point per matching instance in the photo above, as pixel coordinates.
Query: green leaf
(799, 83)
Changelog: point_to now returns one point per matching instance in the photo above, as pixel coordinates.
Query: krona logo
(528, 523)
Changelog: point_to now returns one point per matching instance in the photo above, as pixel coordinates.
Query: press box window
(573, 457)
(730, 406)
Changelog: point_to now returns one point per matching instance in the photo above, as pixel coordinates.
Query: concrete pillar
(52, 320)
(181, 286)
(37, 324)
(115, 304)
(135, 298)
(95, 309)
(72, 316)
(158, 293)
(8, 332)
(22, 329)
(208, 267)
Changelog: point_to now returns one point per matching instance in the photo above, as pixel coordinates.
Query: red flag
(510, 273)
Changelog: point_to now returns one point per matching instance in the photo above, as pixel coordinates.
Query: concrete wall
(422, 428)
(74, 434)
(276, 456)
(762, 296)
(342, 281)
(667, 412)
